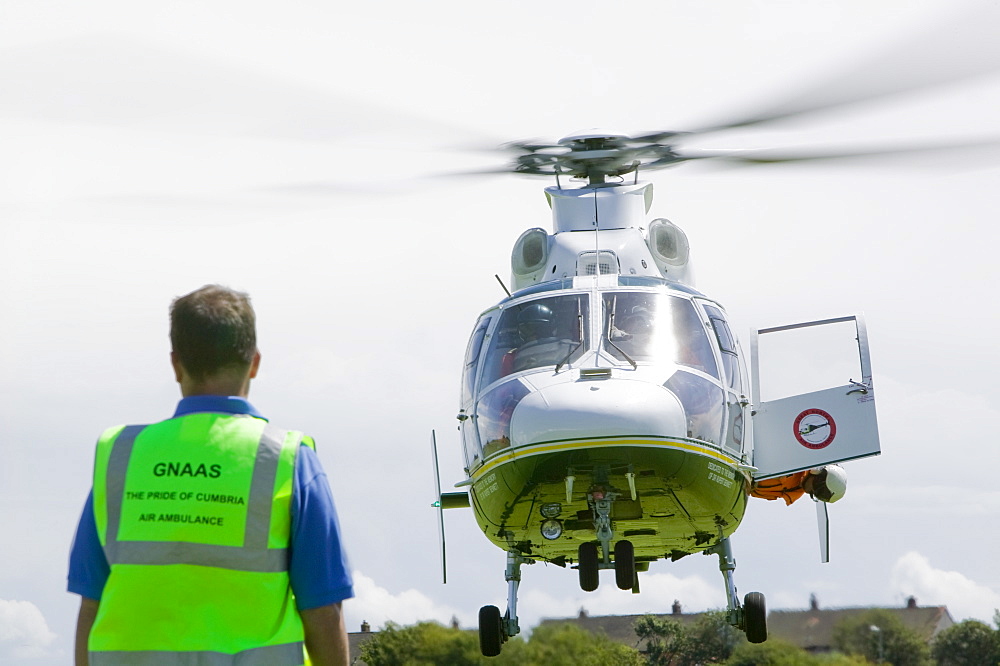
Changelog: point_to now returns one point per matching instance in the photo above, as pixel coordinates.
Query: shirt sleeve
(88, 567)
(318, 567)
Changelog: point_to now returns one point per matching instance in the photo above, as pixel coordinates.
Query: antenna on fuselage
(502, 285)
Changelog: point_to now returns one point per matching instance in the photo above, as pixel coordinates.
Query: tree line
(873, 637)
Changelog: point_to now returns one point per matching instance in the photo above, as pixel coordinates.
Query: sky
(296, 153)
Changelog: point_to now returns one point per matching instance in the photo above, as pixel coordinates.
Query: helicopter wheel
(587, 563)
(755, 617)
(490, 631)
(625, 565)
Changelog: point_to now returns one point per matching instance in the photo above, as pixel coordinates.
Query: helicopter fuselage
(627, 388)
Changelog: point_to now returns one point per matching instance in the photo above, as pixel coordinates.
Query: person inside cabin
(541, 345)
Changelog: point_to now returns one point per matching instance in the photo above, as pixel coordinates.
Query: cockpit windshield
(548, 331)
(655, 328)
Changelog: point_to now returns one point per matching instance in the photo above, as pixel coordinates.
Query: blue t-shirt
(318, 567)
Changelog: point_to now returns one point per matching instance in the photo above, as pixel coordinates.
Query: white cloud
(24, 633)
(913, 575)
(377, 605)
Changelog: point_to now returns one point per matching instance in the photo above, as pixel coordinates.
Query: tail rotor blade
(440, 507)
(823, 520)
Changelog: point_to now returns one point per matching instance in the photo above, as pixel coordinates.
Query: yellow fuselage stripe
(538, 449)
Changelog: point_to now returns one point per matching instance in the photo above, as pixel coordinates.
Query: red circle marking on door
(814, 429)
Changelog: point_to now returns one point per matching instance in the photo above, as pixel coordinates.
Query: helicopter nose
(604, 408)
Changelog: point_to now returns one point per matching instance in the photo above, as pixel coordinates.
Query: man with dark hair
(211, 537)
(211, 329)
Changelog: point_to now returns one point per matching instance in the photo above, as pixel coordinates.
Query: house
(812, 629)
(620, 628)
(356, 639)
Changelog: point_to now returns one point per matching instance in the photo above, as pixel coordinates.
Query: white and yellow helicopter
(607, 418)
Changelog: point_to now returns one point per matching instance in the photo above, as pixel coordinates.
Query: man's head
(536, 322)
(214, 340)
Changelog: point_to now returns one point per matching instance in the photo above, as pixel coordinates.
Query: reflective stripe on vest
(194, 517)
(269, 655)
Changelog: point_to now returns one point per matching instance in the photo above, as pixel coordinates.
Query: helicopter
(607, 417)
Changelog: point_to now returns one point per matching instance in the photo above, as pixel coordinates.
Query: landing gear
(490, 631)
(751, 617)
(494, 630)
(588, 563)
(590, 560)
(755, 617)
(601, 502)
(625, 575)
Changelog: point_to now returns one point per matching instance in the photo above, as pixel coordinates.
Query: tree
(554, 644)
(665, 639)
(879, 635)
(425, 643)
(968, 643)
(709, 640)
(430, 644)
(771, 653)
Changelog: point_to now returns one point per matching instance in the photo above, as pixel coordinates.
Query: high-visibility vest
(194, 517)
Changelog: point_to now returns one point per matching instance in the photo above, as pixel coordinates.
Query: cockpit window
(647, 327)
(545, 332)
(727, 345)
(471, 357)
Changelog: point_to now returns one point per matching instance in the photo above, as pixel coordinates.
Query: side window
(727, 345)
(472, 358)
(493, 414)
(704, 405)
(735, 411)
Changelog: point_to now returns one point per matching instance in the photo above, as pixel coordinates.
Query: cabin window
(471, 359)
(493, 414)
(650, 327)
(539, 333)
(704, 405)
(470, 440)
(734, 439)
(727, 345)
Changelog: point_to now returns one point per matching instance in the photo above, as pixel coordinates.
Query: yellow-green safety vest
(194, 517)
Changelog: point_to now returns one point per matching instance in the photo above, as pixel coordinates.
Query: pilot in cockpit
(541, 344)
(633, 335)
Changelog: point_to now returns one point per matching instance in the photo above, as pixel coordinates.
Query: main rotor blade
(112, 80)
(987, 151)
(959, 47)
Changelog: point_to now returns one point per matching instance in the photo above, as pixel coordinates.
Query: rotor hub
(595, 155)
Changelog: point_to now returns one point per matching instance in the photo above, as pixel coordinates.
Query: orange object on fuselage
(788, 487)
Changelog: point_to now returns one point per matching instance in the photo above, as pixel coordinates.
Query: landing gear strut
(751, 617)
(590, 560)
(494, 630)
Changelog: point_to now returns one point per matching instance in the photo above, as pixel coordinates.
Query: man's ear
(255, 364)
(178, 368)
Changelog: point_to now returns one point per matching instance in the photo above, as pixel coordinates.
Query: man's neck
(215, 387)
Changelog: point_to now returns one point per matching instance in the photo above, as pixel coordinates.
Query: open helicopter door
(817, 427)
